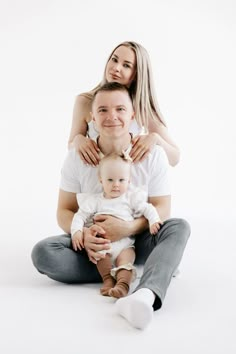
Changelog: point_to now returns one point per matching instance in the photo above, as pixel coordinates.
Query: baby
(118, 201)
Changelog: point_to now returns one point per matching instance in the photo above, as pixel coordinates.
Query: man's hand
(114, 228)
(93, 243)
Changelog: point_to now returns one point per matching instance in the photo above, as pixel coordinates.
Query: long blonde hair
(141, 89)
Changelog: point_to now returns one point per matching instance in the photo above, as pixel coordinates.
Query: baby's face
(115, 178)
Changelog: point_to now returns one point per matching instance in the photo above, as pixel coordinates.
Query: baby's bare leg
(126, 256)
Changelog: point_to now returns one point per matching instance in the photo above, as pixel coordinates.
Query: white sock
(137, 308)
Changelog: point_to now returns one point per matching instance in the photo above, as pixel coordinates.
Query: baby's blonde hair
(122, 157)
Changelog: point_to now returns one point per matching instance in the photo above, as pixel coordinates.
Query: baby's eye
(122, 180)
(110, 179)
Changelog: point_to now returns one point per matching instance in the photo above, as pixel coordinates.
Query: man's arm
(115, 228)
(163, 206)
(66, 208)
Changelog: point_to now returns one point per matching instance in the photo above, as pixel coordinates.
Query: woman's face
(121, 67)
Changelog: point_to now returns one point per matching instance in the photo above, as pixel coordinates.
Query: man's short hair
(112, 86)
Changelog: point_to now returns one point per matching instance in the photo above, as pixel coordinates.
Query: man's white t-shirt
(151, 174)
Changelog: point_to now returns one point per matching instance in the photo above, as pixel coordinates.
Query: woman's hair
(141, 89)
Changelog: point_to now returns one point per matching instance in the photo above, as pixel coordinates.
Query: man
(112, 112)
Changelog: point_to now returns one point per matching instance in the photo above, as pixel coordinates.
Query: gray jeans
(160, 254)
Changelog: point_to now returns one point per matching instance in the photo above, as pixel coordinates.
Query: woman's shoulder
(82, 105)
(84, 98)
(88, 96)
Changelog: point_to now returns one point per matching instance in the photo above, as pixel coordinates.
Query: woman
(129, 65)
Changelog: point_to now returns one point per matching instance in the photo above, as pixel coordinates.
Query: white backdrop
(53, 50)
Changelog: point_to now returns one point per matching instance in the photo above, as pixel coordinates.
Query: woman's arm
(158, 134)
(81, 115)
(163, 139)
(86, 148)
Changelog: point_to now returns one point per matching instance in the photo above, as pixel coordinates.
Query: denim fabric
(160, 254)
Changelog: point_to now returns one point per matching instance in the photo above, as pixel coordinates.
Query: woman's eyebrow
(126, 61)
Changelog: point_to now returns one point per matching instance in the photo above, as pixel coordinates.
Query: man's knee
(184, 229)
(178, 227)
(39, 254)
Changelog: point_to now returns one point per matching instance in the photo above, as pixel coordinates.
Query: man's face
(112, 112)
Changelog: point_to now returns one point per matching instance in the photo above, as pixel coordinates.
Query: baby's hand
(154, 228)
(78, 240)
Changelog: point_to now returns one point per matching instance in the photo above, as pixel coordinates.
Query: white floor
(38, 315)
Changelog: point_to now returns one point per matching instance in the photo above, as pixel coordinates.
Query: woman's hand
(142, 145)
(93, 243)
(87, 149)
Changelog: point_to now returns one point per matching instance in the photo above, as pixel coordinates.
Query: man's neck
(107, 146)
